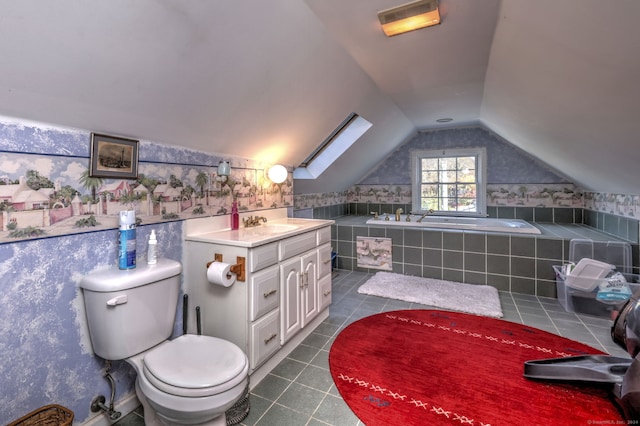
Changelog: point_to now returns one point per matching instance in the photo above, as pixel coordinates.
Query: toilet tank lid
(115, 279)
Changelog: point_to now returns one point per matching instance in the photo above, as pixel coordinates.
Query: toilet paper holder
(238, 269)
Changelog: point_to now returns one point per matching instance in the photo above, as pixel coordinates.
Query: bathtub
(469, 223)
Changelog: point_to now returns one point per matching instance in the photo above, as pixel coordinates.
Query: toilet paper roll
(219, 273)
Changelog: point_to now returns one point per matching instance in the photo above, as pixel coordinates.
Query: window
(333, 147)
(449, 181)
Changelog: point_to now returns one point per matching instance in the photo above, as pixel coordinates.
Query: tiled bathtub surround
(519, 264)
(620, 227)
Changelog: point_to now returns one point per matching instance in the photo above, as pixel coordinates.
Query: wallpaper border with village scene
(516, 195)
(46, 189)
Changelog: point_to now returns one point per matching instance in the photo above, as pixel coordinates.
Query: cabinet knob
(270, 338)
(270, 293)
(326, 293)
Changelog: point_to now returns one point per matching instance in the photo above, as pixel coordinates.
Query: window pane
(447, 163)
(467, 204)
(429, 191)
(469, 176)
(429, 164)
(429, 176)
(466, 163)
(430, 204)
(448, 176)
(467, 190)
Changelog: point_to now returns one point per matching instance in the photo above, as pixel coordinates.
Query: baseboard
(125, 406)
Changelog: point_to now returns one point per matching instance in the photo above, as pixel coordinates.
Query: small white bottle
(152, 249)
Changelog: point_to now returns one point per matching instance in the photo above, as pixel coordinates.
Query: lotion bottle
(152, 249)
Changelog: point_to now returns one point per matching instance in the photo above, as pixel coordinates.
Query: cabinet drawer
(265, 292)
(263, 256)
(324, 235)
(265, 339)
(324, 260)
(324, 292)
(298, 244)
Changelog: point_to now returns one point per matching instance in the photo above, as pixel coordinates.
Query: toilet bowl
(190, 380)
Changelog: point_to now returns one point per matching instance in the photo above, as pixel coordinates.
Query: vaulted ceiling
(271, 79)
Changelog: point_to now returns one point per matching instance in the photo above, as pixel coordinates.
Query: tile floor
(300, 390)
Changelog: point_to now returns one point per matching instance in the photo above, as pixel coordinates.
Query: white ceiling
(271, 79)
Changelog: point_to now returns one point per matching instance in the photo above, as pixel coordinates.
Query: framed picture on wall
(113, 157)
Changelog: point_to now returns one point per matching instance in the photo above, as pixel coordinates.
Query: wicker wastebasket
(49, 415)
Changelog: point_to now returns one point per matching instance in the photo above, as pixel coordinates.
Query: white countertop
(261, 234)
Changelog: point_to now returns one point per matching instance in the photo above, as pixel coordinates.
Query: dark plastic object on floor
(622, 373)
(592, 368)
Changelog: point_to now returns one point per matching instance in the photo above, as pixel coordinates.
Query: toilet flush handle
(118, 300)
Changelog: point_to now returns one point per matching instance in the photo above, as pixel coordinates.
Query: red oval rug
(423, 367)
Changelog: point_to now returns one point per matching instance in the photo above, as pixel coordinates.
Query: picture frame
(113, 157)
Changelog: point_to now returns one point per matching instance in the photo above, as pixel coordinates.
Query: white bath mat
(469, 298)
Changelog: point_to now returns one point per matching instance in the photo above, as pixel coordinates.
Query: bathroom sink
(276, 228)
(268, 229)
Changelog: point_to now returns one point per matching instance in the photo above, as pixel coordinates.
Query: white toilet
(191, 380)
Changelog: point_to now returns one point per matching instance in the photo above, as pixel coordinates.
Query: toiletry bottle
(127, 240)
(152, 253)
(235, 217)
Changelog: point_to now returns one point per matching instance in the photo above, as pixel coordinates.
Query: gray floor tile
(289, 369)
(321, 359)
(271, 387)
(258, 406)
(316, 378)
(301, 398)
(282, 416)
(304, 353)
(334, 411)
(300, 390)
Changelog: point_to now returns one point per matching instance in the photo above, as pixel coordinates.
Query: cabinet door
(309, 291)
(291, 280)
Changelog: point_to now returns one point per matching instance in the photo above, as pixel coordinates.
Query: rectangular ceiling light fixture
(409, 17)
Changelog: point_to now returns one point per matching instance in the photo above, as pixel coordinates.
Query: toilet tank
(130, 311)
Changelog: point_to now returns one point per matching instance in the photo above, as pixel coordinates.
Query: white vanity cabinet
(286, 288)
(246, 313)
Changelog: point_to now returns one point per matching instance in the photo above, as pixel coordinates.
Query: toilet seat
(195, 366)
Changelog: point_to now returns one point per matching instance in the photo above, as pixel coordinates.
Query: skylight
(333, 147)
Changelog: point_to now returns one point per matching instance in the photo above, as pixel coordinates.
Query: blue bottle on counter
(127, 240)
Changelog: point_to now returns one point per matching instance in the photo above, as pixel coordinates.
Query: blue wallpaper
(44, 342)
(506, 164)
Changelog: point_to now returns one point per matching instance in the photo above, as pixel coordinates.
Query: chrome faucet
(398, 214)
(425, 214)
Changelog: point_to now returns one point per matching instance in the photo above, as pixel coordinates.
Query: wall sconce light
(224, 170)
(277, 173)
(409, 17)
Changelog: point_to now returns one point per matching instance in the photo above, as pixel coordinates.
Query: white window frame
(481, 190)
